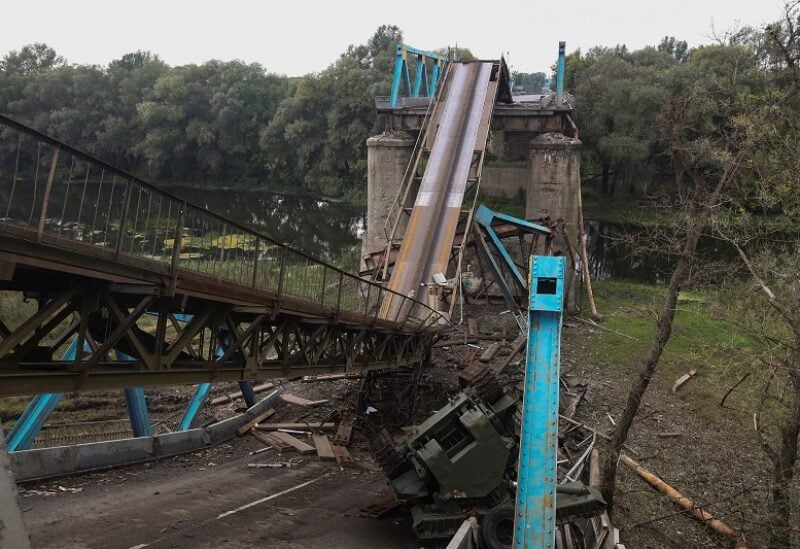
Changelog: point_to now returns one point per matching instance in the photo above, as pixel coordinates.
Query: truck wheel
(497, 528)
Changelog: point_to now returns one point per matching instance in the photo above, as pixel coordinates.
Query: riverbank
(707, 451)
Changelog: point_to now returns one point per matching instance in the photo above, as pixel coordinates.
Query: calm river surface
(332, 231)
(325, 230)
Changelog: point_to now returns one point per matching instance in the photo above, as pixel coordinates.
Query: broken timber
(297, 426)
(250, 424)
(299, 401)
(324, 447)
(295, 443)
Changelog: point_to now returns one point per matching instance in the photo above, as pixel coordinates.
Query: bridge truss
(153, 290)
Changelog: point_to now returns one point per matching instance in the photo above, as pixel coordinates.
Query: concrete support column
(553, 187)
(497, 144)
(388, 156)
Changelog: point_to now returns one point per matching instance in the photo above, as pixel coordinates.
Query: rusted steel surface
(504, 230)
(103, 252)
(66, 211)
(461, 129)
(529, 113)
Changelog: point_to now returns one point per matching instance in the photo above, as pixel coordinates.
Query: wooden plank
(469, 356)
(332, 377)
(295, 443)
(269, 440)
(324, 448)
(683, 379)
(300, 401)
(238, 394)
(472, 327)
(250, 424)
(344, 432)
(298, 426)
(489, 353)
(343, 457)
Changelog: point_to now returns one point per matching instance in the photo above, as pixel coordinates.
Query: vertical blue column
(38, 410)
(247, 393)
(399, 62)
(434, 78)
(137, 411)
(562, 46)
(137, 406)
(535, 514)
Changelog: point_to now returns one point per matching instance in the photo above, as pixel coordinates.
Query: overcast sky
(295, 37)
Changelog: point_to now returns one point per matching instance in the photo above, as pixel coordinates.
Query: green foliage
(226, 122)
(529, 82)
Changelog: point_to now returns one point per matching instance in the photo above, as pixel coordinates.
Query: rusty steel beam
(258, 345)
(462, 126)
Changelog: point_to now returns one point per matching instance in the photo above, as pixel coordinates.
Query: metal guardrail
(52, 193)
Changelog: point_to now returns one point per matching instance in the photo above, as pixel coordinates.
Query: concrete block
(226, 428)
(180, 442)
(66, 460)
(388, 156)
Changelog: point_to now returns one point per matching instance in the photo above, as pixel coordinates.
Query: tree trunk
(606, 176)
(664, 330)
(783, 474)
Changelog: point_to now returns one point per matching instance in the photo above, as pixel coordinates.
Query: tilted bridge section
(149, 289)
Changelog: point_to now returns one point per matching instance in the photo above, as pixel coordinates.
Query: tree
(530, 82)
(714, 122)
(678, 49)
(618, 95)
(32, 60)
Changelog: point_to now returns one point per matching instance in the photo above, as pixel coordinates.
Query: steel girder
(176, 340)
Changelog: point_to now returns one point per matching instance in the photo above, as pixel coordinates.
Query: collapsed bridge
(182, 295)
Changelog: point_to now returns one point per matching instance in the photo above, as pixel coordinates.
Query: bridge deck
(105, 252)
(457, 138)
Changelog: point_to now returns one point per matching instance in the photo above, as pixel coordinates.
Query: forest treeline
(233, 124)
(625, 103)
(219, 123)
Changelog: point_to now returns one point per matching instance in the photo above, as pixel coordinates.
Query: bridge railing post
(255, 262)
(176, 249)
(282, 270)
(562, 46)
(48, 187)
(322, 289)
(123, 219)
(339, 296)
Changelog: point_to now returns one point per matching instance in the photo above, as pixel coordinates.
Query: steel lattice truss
(128, 335)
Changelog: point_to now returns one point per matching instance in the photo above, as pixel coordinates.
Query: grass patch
(720, 351)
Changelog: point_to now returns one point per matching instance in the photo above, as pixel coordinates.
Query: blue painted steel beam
(421, 77)
(204, 389)
(195, 404)
(137, 411)
(136, 404)
(562, 46)
(435, 72)
(32, 420)
(423, 86)
(247, 393)
(431, 55)
(485, 216)
(535, 510)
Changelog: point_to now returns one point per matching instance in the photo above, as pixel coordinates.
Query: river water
(325, 230)
(331, 232)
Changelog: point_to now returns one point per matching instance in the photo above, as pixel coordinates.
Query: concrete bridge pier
(553, 185)
(388, 156)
